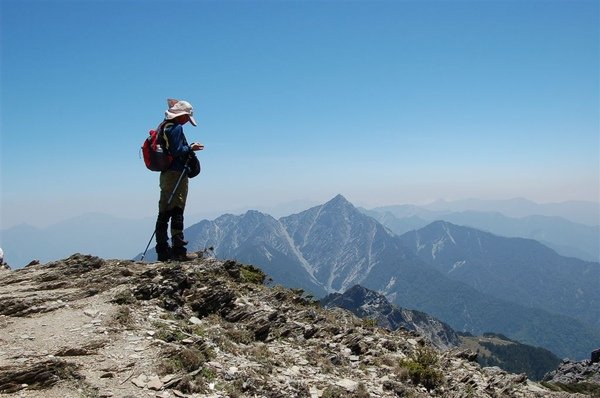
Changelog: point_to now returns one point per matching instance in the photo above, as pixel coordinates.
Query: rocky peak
(356, 298)
(338, 201)
(85, 326)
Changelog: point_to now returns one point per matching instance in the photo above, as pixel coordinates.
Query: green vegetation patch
(422, 368)
(251, 274)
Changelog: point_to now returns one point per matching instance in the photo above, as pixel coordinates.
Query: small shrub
(361, 391)
(191, 359)
(251, 274)
(124, 297)
(169, 335)
(192, 384)
(208, 374)
(185, 360)
(333, 392)
(369, 323)
(421, 367)
(194, 330)
(123, 317)
(233, 391)
(239, 334)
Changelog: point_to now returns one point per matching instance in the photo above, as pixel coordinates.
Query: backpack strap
(165, 124)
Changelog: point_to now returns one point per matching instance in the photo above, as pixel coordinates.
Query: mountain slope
(256, 238)
(491, 349)
(332, 247)
(366, 303)
(343, 245)
(207, 328)
(519, 270)
(512, 356)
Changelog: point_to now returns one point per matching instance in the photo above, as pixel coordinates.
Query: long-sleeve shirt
(176, 144)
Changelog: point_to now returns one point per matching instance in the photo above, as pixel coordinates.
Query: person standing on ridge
(171, 129)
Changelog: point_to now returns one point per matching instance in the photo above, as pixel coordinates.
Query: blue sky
(386, 102)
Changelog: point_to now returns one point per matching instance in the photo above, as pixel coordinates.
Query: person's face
(183, 119)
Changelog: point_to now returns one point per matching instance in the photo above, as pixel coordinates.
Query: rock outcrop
(88, 327)
(369, 304)
(581, 376)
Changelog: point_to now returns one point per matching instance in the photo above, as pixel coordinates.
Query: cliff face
(90, 327)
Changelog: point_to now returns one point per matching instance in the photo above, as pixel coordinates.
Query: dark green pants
(168, 180)
(171, 211)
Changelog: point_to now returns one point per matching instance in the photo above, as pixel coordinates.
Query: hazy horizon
(276, 210)
(384, 102)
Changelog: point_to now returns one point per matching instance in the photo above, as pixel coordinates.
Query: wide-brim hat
(178, 108)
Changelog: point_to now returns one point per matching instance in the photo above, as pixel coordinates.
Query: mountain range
(522, 271)
(95, 233)
(332, 247)
(582, 212)
(562, 235)
(570, 228)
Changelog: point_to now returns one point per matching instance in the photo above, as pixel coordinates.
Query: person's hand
(197, 147)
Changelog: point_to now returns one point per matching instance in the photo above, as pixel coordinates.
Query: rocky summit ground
(88, 327)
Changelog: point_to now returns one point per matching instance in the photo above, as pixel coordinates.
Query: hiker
(178, 114)
(3, 265)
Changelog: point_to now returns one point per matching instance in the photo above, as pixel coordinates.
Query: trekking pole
(183, 173)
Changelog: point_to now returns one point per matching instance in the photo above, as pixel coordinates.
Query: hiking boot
(180, 253)
(163, 250)
(163, 253)
(185, 256)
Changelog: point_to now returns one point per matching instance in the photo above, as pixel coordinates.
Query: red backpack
(156, 155)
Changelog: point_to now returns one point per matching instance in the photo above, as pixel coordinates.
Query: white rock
(347, 384)
(91, 313)
(167, 378)
(315, 392)
(154, 383)
(140, 381)
(195, 321)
